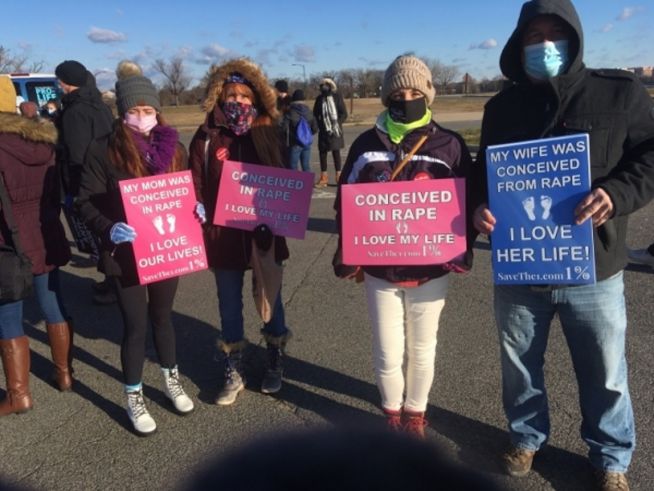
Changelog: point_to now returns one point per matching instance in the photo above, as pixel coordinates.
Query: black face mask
(407, 111)
(325, 89)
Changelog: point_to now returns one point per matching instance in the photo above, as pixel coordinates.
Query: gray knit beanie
(408, 72)
(133, 89)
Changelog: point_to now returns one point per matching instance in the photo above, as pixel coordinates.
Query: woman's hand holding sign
(483, 219)
(201, 213)
(121, 232)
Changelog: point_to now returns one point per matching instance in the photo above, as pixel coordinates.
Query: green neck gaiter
(397, 131)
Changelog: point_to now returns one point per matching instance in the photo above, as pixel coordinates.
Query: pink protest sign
(169, 238)
(253, 194)
(404, 222)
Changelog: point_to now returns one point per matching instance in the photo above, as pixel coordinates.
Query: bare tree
(10, 62)
(442, 74)
(176, 79)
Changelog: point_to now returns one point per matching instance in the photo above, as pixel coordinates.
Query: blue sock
(133, 388)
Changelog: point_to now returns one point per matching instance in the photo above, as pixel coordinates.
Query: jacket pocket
(599, 132)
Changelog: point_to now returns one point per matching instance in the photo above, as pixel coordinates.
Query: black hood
(511, 58)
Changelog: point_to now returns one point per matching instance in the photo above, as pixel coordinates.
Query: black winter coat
(372, 158)
(611, 106)
(84, 118)
(328, 142)
(100, 206)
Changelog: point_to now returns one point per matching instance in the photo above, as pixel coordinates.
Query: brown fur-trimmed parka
(230, 248)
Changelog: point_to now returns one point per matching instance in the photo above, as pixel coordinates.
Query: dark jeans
(137, 303)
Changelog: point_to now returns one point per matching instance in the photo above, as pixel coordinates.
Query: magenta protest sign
(403, 222)
(169, 238)
(253, 194)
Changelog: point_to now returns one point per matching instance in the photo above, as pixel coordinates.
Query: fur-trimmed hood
(29, 129)
(266, 98)
(330, 82)
(26, 140)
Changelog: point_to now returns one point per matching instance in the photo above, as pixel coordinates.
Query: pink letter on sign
(404, 222)
(252, 194)
(169, 238)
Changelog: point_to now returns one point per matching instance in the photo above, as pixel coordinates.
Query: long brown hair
(124, 154)
(263, 130)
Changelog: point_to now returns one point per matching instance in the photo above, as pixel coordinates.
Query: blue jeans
(230, 306)
(48, 295)
(302, 154)
(593, 318)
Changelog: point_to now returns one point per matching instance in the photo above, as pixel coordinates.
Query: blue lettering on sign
(533, 189)
(44, 94)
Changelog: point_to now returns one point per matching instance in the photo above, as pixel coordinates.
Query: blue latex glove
(201, 212)
(121, 232)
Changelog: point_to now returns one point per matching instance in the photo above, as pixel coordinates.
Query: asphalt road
(82, 440)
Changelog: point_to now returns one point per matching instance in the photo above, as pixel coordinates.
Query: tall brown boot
(60, 343)
(15, 355)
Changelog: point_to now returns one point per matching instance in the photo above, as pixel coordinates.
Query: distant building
(641, 71)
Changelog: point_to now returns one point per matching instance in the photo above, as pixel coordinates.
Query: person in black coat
(330, 112)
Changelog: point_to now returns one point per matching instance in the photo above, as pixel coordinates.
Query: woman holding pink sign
(240, 125)
(404, 302)
(140, 145)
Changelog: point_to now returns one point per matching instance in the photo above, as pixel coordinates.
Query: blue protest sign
(533, 189)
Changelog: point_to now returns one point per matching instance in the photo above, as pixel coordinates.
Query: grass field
(362, 111)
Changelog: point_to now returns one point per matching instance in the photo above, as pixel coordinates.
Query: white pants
(393, 310)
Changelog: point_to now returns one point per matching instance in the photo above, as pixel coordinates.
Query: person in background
(140, 145)
(330, 113)
(552, 93)
(297, 151)
(404, 302)
(29, 110)
(50, 110)
(27, 166)
(283, 99)
(84, 117)
(240, 125)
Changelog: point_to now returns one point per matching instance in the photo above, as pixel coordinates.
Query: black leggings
(136, 304)
(336, 154)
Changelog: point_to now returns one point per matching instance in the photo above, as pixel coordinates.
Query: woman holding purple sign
(404, 302)
(140, 145)
(240, 125)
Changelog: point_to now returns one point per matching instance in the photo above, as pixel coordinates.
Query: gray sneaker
(272, 381)
(641, 256)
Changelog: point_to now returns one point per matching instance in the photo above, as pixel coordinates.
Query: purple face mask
(238, 116)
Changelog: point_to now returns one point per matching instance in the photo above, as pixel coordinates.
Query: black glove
(342, 270)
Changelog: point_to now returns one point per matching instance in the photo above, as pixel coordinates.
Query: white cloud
(489, 43)
(606, 27)
(100, 35)
(213, 53)
(628, 13)
(303, 53)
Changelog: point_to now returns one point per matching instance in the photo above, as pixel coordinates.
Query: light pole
(304, 72)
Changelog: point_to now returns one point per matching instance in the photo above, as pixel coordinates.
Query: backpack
(303, 133)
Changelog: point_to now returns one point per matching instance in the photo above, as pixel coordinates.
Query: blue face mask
(546, 60)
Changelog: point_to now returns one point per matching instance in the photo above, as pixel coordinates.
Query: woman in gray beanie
(404, 302)
(140, 145)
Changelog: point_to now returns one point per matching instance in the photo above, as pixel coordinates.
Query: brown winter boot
(323, 181)
(60, 344)
(414, 423)
(15, 355)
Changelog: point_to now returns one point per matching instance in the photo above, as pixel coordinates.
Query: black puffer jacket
(373, 157)
(84, 118)
(611, 106)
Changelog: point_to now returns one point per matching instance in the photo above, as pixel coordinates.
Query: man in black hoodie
(551, 94)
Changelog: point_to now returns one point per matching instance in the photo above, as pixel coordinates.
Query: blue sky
(322, 36)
